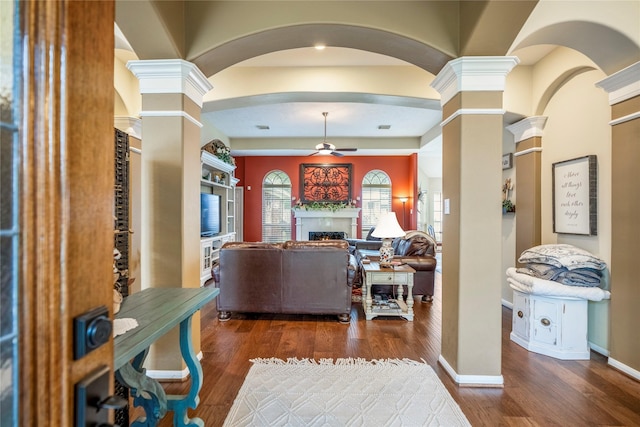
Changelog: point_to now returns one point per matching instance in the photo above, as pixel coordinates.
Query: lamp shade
(388, 227)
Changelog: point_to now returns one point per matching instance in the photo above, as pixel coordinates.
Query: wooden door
(65, 197)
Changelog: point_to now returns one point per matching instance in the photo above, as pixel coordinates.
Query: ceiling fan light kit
(325, 148)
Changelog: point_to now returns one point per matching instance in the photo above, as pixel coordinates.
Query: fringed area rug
(347, 392)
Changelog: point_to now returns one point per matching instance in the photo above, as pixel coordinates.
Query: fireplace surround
(344, 220)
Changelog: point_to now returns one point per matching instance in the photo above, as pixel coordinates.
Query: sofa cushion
(415, 246)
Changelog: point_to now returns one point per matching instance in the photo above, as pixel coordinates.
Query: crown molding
(171, 76)
(527, 128)
(473, 111)
(171, 113)
(626, 118)
(527, 151)
(623, 85)
(473, 73)
(129, 125)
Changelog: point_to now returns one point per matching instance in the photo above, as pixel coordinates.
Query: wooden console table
(398, 275)
(157, 311)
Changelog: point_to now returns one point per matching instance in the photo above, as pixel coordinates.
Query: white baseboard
(624, 368)
(494, 381)
(598, 349)
(169, 374)
(507, 304)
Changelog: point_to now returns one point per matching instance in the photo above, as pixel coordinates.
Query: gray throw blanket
(575, 277)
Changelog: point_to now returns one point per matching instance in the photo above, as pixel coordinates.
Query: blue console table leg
(180, 404)
(146, 391)
(158, 311)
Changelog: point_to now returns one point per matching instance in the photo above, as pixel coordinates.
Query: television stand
(210, 252)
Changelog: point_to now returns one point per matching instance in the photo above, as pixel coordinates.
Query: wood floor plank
(539, 390)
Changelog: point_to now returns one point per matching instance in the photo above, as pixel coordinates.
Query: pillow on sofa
(562, 255)
(413, 246)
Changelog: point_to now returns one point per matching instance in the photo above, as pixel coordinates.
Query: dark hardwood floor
(538, 390)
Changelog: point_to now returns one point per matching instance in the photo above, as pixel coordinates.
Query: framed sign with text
(575, 196)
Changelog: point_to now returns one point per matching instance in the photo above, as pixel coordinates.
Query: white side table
(401, 275)
(553, 326)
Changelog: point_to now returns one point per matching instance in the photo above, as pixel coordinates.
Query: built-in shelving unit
(217, 178)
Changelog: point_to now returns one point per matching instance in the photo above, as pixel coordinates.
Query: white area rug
(347, 392)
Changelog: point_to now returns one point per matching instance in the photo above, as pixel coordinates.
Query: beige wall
(578, 125)
(129, 101)
(562, 87)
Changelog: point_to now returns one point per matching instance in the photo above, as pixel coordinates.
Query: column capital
(528, 127)
(473, 73)
(623, 85)
(171, 76)
(129, 125)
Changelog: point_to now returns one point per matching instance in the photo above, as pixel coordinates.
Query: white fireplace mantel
(345, 220)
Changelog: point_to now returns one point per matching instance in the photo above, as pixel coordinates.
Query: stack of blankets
(559, 270)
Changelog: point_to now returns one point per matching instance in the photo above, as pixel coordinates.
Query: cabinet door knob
(545, 321)
(520, 314)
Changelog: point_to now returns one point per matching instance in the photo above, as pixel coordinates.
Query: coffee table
(400, 275)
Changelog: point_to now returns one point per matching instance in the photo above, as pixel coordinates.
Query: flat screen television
(209, 214)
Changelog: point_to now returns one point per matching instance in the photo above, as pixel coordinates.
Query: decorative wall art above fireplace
(325, 182)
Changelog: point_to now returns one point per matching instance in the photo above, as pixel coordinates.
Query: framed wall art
(575, 196)
(507, 161)
(329, 183)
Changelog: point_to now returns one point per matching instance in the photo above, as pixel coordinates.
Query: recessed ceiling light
(262, 127)
(384, 127)
(320, 46)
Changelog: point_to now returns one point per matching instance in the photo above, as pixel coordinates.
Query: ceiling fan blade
(346, 149)
(313, 154)
(335, 153)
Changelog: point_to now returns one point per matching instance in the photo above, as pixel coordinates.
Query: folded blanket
(562, 255)
(576, 277)
(533, 285)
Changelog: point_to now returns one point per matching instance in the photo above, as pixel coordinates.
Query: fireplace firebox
(327, 235)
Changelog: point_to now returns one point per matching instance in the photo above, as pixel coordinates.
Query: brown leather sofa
(417, 249)
(295, 277)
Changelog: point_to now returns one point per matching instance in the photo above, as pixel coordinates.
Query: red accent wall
(251, 171)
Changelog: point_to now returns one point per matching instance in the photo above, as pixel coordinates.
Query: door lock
(93, 400)
(91, 330)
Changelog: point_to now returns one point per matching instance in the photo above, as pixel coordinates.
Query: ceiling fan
(326, 148)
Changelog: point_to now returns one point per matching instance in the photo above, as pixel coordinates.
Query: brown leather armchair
(418, 250)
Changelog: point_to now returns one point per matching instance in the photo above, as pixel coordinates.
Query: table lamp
(387, 229)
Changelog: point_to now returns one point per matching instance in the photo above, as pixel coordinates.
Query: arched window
(276, 207)
(376, 198)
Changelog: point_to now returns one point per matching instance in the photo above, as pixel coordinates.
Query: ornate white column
(172, 93)
(472, 112)
(623, 88)
(528, 162)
